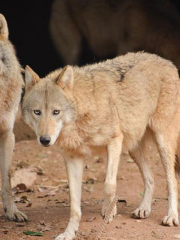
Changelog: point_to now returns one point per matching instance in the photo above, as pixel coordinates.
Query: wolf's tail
(3, 27)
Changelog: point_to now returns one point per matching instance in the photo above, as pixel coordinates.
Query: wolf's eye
(37, 112)
(56, 112)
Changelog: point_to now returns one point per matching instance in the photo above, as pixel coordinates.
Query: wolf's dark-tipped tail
(3, 27)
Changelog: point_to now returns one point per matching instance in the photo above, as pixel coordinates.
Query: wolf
(130, 26)
(109, 107)
(11, 84)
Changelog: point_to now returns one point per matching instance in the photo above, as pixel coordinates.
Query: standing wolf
(11, 83)
(112, 106)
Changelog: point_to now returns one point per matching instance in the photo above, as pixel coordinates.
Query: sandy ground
(47, 202)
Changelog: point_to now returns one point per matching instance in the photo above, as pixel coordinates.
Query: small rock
(26, 176)
(129, 160)
(84, 233)
(177, 236)
(90, 219)
(118, 227)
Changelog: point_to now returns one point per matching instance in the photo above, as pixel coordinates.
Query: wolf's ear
(31, 78)
(3, 27)
(66, 78)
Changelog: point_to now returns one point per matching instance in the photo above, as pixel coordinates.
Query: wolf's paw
(67, 235)
(141, 213)
(108, 212)
(17, 216)
(171, 220)
(14, 214)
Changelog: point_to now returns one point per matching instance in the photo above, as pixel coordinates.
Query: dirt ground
(46, 203)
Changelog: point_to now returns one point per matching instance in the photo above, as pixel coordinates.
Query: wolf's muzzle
(45, 140)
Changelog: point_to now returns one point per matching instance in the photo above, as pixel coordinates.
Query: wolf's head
(48, 103)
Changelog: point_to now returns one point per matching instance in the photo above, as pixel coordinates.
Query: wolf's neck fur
(76, 133)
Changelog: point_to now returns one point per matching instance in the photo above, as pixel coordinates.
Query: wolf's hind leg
(6, 151)
(139, 156)
(74, 167)
(166, 147)
(114, 152)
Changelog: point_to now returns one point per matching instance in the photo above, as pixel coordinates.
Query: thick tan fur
(11, 83)
(115, 27)
(110, 107)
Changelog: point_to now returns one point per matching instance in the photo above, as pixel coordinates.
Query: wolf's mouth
(46, 145)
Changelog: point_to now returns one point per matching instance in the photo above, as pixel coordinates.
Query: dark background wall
(28, 22)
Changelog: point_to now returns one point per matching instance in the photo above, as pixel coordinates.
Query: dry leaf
(20, 188)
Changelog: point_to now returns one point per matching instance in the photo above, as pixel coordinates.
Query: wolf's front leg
(74, 169)
(6, 151)
(114, 152)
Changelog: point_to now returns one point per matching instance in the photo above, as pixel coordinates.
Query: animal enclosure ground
(47, 202)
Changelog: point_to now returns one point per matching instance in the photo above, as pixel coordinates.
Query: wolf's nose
(45, 140)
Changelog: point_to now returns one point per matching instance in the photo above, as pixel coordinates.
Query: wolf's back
(123, 64)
